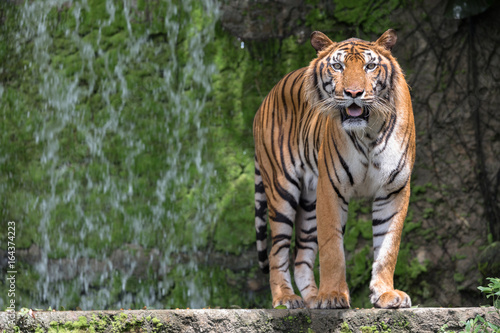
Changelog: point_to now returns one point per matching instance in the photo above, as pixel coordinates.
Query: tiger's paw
(393, 299)
(290, 301)
(331, 300)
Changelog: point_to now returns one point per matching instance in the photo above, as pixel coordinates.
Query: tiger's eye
(371, 66)
(337, 66)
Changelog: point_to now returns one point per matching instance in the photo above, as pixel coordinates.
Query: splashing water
(119, 186)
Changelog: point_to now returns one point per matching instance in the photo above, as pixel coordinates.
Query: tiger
(338, 129)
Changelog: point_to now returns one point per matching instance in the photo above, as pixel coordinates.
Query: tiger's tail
(260, 220)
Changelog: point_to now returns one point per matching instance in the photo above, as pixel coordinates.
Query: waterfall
(117, 185)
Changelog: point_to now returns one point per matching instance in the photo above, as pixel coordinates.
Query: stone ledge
(421, 320)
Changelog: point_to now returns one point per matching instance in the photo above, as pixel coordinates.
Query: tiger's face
(352, 79)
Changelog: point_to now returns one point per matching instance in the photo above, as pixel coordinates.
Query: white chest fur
(368, 163)
(376, 166)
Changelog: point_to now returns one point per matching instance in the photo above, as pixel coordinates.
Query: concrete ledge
(419, 320)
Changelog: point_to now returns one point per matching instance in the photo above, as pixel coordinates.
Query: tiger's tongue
(354, 110)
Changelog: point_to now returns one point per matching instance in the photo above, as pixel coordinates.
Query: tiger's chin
(351, 125)
(352, 121)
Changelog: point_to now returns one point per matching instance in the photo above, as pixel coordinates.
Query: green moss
(234, 234)
(65, 330)
(120, 323)
(364, 17)
(381, 327)
(368, 329)
(344, 328)
(299, 322)
(458, 277)
(97, 324)
(156, 322)
(80, 325)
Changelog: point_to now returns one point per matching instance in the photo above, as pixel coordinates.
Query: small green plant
(492, 290)
(443, 329)
(479, 324)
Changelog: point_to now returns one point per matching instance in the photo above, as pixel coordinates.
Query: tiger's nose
(353, 93)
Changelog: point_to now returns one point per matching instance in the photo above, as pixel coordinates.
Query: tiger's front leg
(331, 211)
(389, 212)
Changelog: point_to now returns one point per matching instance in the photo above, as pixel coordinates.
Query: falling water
(118, 181)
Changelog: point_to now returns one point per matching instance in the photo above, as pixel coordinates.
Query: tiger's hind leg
(260, 220)
(282, 202)
(306, 248)
(279, 197)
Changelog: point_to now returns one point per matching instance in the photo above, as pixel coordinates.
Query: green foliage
(369, 16)
(364, 19)
(492, 290)
(479, 324)
(443, 328)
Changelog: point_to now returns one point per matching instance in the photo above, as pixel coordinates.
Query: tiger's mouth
(354, 113)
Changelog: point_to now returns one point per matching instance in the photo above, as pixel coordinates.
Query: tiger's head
(353, 79)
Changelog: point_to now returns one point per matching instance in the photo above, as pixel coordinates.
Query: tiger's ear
(388, 39)
(320, 41)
